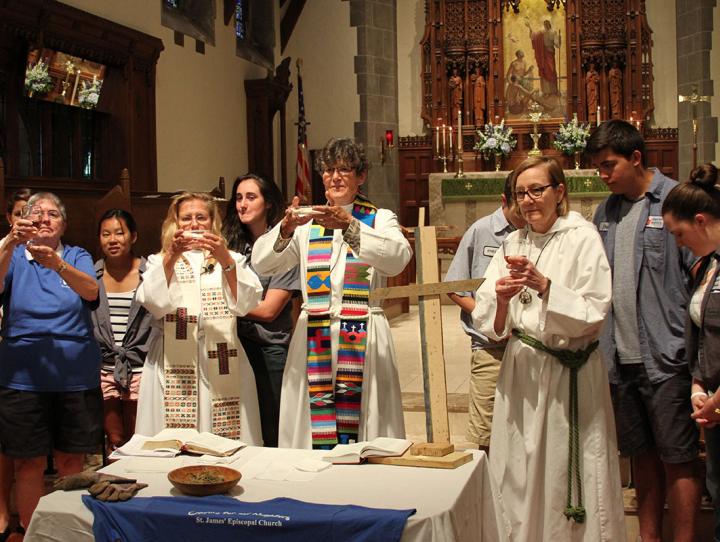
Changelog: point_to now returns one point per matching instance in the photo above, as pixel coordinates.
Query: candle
(459, 133)
(598, 115)
(450, 139)
(443, 141)
(437, 140)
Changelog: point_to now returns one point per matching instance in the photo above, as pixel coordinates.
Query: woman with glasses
(50, 399)
(553, 439)
(341, 381)
(196, 374)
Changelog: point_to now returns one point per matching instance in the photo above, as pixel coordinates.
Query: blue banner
(224, 519)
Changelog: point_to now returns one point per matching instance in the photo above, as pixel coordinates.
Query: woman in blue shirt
(50, 398)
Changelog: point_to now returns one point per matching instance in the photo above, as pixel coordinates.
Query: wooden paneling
(128, 92)
(661, 149)
(415, 167)
(265, 98)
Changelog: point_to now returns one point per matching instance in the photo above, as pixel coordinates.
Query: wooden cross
(428, 289)
(694, 99)
(181, 319)
(223, 355)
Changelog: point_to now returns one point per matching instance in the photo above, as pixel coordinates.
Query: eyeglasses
(37, 214)
(342, 171)
(535, 192)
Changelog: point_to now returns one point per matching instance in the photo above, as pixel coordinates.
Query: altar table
(459, 201)
(453, 505)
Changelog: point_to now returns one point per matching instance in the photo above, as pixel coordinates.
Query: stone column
(694, 42)
(376, 69)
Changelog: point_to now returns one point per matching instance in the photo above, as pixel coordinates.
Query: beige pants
(484, 370)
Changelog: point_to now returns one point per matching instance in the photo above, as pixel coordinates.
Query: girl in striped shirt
(122, 327)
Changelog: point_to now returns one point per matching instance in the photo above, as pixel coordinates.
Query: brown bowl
(202, 480)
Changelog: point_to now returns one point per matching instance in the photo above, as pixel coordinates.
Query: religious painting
(58, 77)
(534, 44)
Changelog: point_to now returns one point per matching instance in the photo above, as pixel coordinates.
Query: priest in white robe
(196, 374)
(341, 380)
(549, 289)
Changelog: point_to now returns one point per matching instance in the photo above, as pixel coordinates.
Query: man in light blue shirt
(643, 337)
(473, 255)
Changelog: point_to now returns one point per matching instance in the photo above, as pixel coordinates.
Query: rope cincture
(573, 360)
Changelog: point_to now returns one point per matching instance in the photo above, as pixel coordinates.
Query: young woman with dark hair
(691, 212)
(122, 327)
(255, 206)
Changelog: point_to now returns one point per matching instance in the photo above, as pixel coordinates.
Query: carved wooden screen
(606, 63)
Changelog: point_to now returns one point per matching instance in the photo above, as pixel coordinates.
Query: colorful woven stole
(203, 301)
(335, 412)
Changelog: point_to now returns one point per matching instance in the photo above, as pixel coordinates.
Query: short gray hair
(52, 197)
(342, 151)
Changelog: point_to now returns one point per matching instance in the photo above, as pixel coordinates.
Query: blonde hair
(555, 173)
(169, 226)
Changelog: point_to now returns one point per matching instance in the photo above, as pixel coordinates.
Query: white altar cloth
(453, 505)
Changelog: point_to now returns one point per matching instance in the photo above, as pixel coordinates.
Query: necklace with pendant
(525, 297)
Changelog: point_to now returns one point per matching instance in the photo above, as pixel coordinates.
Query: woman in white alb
(551, 298)
(196, 374)
(334, 388)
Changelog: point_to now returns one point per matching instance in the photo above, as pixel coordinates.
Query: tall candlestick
(437, 141)
(459, 147)
(450, 139)
(598, 115)
(459, 133)
(444, 147)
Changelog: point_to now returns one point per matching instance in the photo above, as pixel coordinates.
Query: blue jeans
(712, 464)
(268, 364)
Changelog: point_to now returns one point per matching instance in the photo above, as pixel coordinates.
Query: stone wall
(377, 87)
(695, 20)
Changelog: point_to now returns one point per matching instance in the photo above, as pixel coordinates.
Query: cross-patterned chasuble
(203, 300)
(335, 411)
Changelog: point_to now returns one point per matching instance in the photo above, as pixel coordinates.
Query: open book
(170, 442)
(378, 447)
(189, 440)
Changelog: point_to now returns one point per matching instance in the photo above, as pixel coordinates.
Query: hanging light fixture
(552, 4)
(507, 4)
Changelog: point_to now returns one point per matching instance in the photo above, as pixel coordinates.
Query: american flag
(302, 167)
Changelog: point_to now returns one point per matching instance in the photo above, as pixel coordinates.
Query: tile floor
(406, 335)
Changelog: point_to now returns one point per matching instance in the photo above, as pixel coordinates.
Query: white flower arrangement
(572, 137)
(89, 94)
(495, 139)
(37, 78)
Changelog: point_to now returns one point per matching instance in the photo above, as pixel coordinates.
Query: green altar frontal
(489, 188)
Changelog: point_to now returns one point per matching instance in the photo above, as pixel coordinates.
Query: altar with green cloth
(457, 202)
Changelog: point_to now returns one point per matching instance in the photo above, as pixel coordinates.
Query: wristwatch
(62, 267)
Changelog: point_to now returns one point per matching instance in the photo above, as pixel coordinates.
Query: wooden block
(451, 461)
(432, 449)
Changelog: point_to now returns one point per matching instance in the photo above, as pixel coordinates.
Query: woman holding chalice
(549, 288)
